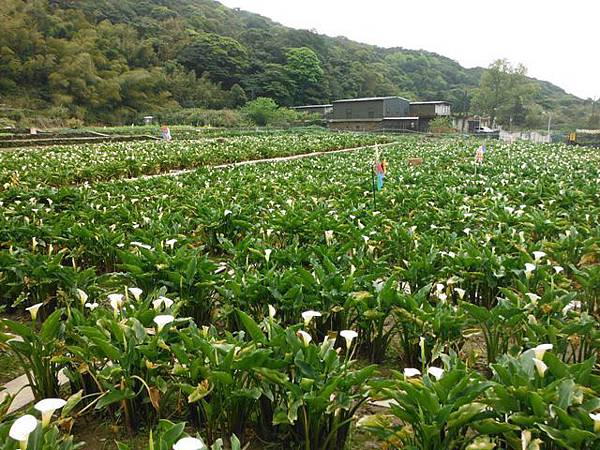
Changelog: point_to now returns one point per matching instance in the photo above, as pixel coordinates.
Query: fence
(531, 136)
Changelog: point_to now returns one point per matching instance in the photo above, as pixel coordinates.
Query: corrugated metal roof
(368, 99)
(373, 120)
(313, 106)
(356, 120)
(434, 102)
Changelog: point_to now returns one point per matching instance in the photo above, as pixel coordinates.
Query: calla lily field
(290, 304)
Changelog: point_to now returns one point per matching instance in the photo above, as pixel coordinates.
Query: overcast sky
(556, 39)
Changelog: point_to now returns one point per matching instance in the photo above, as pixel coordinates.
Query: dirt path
(175, 173)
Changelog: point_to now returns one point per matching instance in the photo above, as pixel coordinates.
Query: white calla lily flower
(116, 301)
(410, 372)
(558, 269)
(136, 292)
(329, 236)
(596, 419)
(572, 305)
(33, 310)
(83, 297)
(349, 336)
(190, 443)
(304, 337)
(170, 243)
(22, 428)
(436, 372)
(309, 315)
(272, 311)
(268, 254)
(47, 408)
(160, 301)
(529, 268)
(537, 256)
(541, 349)
(540, 366)
(162, 320)
(378, 284)
(460, 292)
(91, 306)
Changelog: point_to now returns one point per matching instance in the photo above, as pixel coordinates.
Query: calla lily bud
(83, 297)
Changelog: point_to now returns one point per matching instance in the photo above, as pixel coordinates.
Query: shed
(323, 110)
(429, 110)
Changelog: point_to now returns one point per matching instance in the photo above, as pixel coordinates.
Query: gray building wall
(396, 107)
(370, 108)
(428, 109)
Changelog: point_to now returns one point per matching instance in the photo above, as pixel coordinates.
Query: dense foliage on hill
(102, 60)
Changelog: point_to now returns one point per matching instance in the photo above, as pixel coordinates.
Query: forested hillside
(112, 61)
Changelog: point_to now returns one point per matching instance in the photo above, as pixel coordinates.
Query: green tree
(261, 111)
(503, 91)
(461, 102)
(223, 58)
(237, 96)
(594, 119)
(273, 81)
(304, 69)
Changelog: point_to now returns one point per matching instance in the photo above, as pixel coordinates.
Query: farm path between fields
(21, 392)
(175, 173)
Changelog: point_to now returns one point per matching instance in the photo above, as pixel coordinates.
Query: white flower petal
(436, 372)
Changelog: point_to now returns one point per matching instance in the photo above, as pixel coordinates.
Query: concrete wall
(531, 136)
(356, 125)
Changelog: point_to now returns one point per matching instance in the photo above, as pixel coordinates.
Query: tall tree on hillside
(594, 120)
(503, 92)
(224, 59)
(304, 69)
